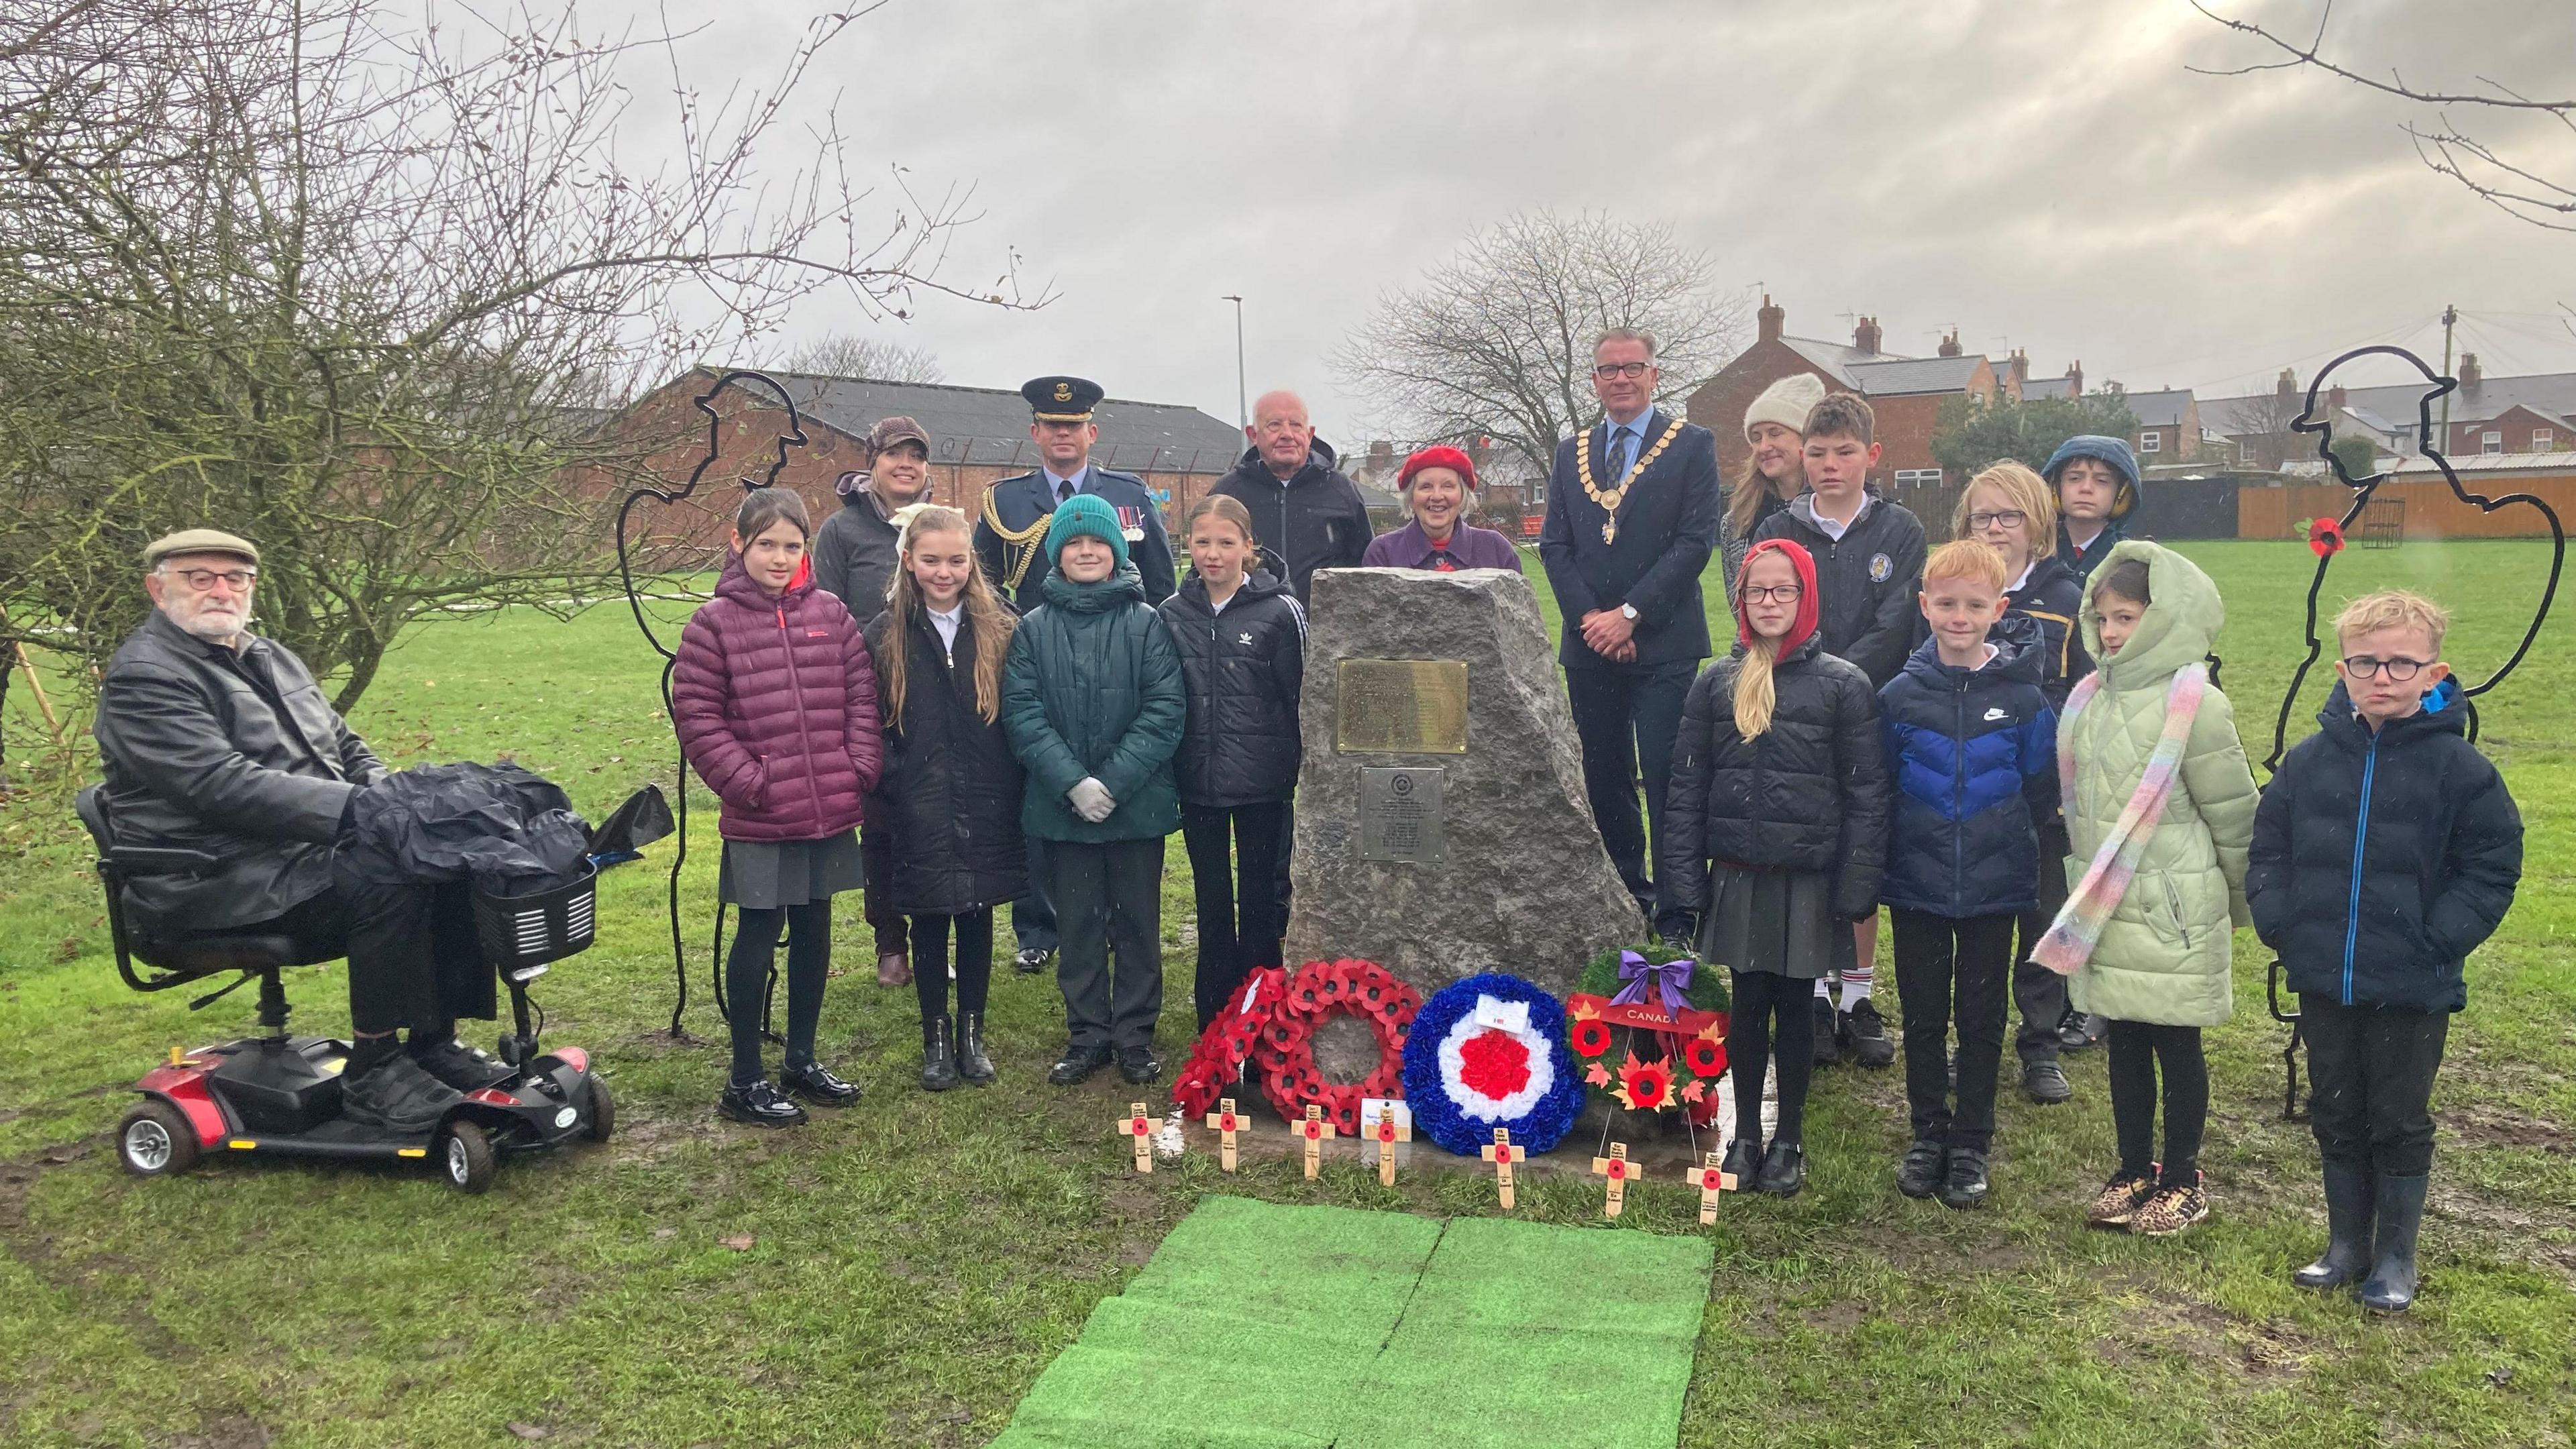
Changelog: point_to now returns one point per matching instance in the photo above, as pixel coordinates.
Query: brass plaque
(1401, 707)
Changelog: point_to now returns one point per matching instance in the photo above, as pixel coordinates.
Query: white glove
(1091, 800)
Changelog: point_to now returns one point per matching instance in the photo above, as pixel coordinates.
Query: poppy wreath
(1285, 1048)
(1486, 1052)
(1689, 1069)
(1217, 1057)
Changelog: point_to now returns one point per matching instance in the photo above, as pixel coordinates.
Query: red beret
(1442, 456)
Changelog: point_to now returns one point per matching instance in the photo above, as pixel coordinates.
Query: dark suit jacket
(1667, 528)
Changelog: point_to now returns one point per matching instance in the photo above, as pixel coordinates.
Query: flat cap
(197, 540)
(896, 429)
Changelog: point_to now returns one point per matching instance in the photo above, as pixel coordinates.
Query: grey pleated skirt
(763, 875)
(1776, 921)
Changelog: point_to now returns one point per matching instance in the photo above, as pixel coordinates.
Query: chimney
(2075, 378)
(2470, 373)
(2285, 391)
(1768, 321)
(1381, 456)
(1950, 344)
(1865, 336)
(2020, 367)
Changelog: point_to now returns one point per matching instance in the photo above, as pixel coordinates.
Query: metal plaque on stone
(1400, 707)
(1401, 814)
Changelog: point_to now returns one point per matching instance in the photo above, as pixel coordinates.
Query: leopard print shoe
(2121, 1198)
(2171, 1210)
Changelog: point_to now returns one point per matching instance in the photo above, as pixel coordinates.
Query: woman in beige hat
(1773, 473)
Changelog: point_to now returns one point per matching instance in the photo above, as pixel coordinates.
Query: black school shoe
(1784, 1170)
(1919, 1173)
(458, 1065)
(1077, 1065)
(760, 1105)
(2080, 1031)
(815, 1083)
(398, 1095)
(1964, 1186)
(1743, 1161)
(1864, 1036)
(1138, 1066)
(2045, 1083)
(1829, 1046)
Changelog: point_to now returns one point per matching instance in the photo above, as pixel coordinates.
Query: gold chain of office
(1610, 499)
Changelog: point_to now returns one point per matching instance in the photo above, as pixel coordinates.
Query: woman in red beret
(1439, 488)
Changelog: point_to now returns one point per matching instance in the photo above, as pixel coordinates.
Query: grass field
(899, 1274)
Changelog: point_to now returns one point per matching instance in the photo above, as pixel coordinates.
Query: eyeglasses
(238, 580)
(2008, 518)
(2362, 666)
(1608, 370)
(1773, 594)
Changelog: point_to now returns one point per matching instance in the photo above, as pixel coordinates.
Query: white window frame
(2544, 440)
(2246, 452)
(2151, 441)
(1918, 477)
(2491, 441)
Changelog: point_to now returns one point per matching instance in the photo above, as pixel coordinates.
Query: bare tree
(2263, 419)
(1497, 341)
(2521, 188)
(843, 354)
(358, 292)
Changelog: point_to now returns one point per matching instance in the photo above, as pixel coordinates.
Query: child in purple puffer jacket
(776, 706)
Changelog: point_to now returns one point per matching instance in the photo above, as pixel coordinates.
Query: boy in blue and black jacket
(1972, 750)
(2384, 851)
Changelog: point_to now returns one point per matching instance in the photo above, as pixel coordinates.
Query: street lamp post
(1242, 413)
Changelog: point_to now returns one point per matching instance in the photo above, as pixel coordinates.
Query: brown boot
(894, 968)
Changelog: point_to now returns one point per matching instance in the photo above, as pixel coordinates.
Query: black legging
(2137, 1050)
(809, 960)
(974, 961)
(1234, 868)
(1762, 997)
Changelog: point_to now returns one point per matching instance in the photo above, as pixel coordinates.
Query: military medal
(1610, 499)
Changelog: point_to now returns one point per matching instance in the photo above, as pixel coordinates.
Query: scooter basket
(529, 930)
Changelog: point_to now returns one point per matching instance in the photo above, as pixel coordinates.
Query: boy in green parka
(1093, 700)
(2147, 928)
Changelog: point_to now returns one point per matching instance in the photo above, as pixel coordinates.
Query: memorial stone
(1442, 825)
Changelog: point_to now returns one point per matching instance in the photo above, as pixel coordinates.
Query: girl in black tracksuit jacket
(1242, 641)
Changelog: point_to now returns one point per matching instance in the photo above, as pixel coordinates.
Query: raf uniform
(1010, 538)
(1010, 546)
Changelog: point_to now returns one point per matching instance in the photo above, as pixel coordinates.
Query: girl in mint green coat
(2160, 809)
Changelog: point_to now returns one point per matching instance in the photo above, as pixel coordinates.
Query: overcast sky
(2042, 173)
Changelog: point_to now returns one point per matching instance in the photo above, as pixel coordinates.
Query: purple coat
(1474, 548)
(776, 704)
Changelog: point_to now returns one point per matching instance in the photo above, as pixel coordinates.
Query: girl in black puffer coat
(1242, 640)
(1775, 834)
(951, 789)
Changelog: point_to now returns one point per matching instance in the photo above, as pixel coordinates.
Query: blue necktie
(1618, 454)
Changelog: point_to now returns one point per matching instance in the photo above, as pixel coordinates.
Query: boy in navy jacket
(1972, 750)
(2384, 851)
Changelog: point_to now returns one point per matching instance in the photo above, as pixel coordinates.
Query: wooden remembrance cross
(1138, 1124)
(1314, 1129)
(1387, 1133)
(1225, 1124)
(1713, 1179)
(1620, 1171)
(1503, 1154)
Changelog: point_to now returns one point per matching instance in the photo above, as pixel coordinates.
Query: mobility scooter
(280, 1094)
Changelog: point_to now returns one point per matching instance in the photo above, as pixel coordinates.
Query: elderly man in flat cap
(218, 740)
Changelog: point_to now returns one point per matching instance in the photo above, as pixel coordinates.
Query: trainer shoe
(398, 1095)
(1030, 960)
(2045, 1082)
(1137, 1065)
(458, 1065)
(1919, 1172)
(759, 1104)
(2081, 1031)
(1965, 1184)
(2171, 1210)
(1864, 1036)
(1829, 1047)
(1077, 1065)
(2120, 1199)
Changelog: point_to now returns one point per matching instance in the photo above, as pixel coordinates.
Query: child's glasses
(1772, 594)
(2009, 518)
(2362, 666)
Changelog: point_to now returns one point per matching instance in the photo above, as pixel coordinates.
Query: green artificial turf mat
(1264, 1327)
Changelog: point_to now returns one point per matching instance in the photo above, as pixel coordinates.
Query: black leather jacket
(233, 752)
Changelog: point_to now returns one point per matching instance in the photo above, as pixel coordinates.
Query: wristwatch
(1628, 612)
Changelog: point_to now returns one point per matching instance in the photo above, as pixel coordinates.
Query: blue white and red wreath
(1489, 1051)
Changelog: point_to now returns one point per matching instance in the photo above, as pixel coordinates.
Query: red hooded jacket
(1805, 622)
(775, 701)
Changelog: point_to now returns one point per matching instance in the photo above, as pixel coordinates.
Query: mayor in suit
(1632, 511)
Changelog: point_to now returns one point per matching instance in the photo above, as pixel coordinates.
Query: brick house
(2168, 425)
(2535, 413)
(977, 436)
(1905, 393)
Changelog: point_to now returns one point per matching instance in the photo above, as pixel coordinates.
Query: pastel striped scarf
(2078, 927)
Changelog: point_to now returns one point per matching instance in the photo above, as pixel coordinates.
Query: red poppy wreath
(1217, 1057)
(1318, 992)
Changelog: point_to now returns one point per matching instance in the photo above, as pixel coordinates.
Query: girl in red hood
(1775, 831)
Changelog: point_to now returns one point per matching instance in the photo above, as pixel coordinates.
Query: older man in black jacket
(1305, 511)
(1632, 510)
(217, 740)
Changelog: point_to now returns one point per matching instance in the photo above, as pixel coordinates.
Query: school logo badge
(1880, 566)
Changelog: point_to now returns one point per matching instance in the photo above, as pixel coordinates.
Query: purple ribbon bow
(1672, 979)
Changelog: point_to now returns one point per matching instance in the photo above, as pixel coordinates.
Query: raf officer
(1010, 544)
(1010, 539)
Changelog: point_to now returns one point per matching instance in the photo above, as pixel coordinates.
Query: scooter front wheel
(465, 1155)
(156, 1139)
(603, 1112)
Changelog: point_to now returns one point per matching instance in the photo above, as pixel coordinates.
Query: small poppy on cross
(1503, 1154)
(1713, 1179)
(1224, 1123)
(1138, 1124)
(1314, 1129)
(1619, 1171)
